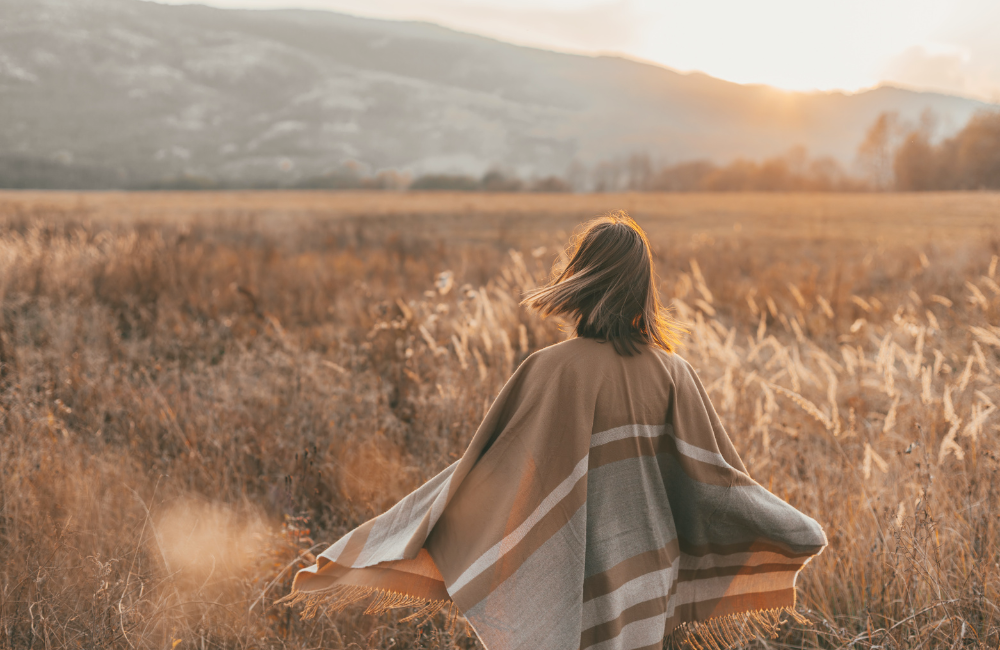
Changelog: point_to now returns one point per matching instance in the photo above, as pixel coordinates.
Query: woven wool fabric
(601, 505)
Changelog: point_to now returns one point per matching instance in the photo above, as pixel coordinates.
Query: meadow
(199, 392)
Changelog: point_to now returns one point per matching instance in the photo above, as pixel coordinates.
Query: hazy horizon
(295, 99)
(849, 46)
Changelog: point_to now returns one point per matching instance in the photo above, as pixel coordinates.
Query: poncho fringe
(340, 597)
(601, 505)
(717, 633)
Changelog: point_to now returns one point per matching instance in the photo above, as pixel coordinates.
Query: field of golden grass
(198, 392)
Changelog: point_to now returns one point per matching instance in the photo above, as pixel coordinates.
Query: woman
(599, 505)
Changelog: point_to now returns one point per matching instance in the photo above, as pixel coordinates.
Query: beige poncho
(600, 505)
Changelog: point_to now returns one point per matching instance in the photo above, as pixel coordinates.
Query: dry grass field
(198, 392)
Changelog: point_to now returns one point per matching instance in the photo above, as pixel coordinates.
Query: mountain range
(129, 93)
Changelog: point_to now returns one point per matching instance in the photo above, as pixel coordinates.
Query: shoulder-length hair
(609, 288)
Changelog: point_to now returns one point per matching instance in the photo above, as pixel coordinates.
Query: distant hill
(125, 93)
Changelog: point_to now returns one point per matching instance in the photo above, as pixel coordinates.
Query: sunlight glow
(790, 44)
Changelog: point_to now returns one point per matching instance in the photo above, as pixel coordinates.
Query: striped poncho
(599, 505)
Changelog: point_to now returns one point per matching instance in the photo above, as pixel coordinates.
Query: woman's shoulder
(672, 360)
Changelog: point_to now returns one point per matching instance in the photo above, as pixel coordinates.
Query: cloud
(950, 69)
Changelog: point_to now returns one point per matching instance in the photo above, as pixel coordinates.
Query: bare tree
(639, 170)
(916, 162)
(875, 155)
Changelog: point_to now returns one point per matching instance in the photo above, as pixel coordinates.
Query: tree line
(969, 160)
(894, 155)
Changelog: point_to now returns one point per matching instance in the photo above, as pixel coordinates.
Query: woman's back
(611, 477)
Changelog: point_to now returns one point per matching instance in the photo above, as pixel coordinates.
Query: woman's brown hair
(609, 288)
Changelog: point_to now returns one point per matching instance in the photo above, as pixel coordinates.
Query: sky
(944, 45)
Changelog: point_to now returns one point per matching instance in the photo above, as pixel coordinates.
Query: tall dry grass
(192, 409)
